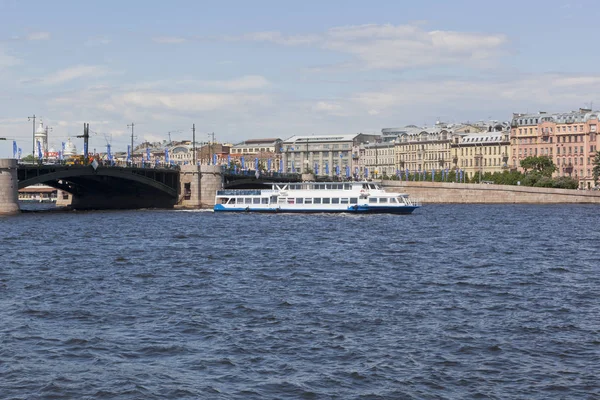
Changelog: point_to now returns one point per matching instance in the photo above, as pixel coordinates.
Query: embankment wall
(441, 192)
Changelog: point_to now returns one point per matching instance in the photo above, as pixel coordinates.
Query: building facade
(267, 152)
(569, 139)
(479, 153)
(331, 155)
(423, 149)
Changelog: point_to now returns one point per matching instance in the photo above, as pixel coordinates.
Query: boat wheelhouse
(316, 197)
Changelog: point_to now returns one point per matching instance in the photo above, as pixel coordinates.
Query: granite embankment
(438, 192)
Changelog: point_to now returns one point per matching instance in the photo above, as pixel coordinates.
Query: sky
(274, 69)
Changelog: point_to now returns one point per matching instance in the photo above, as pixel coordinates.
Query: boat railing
(239, 192)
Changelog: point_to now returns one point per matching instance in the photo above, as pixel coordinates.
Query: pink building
(569, 139)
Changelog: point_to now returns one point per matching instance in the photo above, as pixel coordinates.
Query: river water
(454, 301)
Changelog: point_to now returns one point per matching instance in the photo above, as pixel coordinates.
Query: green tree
(542, 164)
(596, 168)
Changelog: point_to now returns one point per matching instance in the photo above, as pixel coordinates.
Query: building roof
(484, 138)
(322, 138)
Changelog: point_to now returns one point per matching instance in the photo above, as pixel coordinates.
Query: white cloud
(397, 47)
(6, 60)
(247, 82)
(38, 36)
(98, 41)
(189, 102)
(276, 37)
(168, 39)
(75, 72)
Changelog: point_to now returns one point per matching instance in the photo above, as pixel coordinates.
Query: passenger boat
(316, 197)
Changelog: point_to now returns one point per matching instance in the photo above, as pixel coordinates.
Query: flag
(256, 164)
(269, 165)
(214, 159)
(14, 149)
(366, 172)
(128, 153)
(147, 153)
(337, 170)
(167, 160)
(347, 171)
(356, 171)
(242, 163)
(39, 150)
(293, 168)
(228, 161)
(85, 149)
(326, 168)
(281, 166)
(108, 154)
(462, 176)
(316, 169)
(19, 153)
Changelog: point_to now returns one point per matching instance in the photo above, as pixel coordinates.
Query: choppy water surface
(454, 301)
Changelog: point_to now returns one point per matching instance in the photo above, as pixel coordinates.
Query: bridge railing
(105, 163)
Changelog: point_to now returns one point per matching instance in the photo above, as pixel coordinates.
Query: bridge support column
(199, 185)
(8, 187)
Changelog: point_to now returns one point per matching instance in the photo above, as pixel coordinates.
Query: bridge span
(86, 187)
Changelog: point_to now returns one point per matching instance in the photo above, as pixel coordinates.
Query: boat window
(224, 201)
(317, 201)
(373, 200)
(282, 200)
(383, 200)
(299, 200)
(371, 186)
(326, 201)
(319, 187)
(344, 200)
(290, 200)
(273, 199)
(353, 200)
(347, 186)
(394, 200)
(240, 200)
(365, 186)
(308, 201)
(256, 200)
(264, 200)
(335, 201)
(247, 200)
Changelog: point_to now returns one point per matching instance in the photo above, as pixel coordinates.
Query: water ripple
(455, 301)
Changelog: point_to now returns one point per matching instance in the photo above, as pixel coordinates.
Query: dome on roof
(70, 148)
(40, 131)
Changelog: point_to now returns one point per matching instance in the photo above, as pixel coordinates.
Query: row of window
(564, 128)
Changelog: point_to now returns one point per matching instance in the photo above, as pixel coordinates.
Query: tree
(596, 168)
(542, 164)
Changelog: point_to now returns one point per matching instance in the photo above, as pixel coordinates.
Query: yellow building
(481, 152)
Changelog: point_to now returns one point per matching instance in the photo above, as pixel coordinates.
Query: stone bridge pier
(8, 187)
(199, 185)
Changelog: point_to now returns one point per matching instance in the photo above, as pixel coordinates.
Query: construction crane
(169, 133)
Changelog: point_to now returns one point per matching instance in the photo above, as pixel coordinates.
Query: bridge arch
(63, 174)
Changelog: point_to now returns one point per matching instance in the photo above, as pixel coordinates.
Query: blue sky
(257, 69)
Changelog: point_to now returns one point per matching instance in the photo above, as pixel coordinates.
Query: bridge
(105, 186)
(127, 187)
